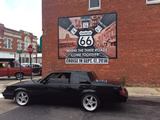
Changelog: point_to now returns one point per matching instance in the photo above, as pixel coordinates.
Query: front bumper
(8, 95)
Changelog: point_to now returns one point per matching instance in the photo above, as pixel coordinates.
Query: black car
(80, 86)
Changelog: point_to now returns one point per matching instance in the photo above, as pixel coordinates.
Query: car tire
(40, 73)
(22, 98)
(19, 76)
(90, 102)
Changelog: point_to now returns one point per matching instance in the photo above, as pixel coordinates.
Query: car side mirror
(44, 82)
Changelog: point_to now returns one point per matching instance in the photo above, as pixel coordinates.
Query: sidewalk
(143, 92)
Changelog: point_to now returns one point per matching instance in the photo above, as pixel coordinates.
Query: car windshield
(92, 76)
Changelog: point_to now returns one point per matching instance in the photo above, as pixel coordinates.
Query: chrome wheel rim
(22, 98)
(90, 102)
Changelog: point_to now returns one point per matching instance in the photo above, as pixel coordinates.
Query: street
(136, 108)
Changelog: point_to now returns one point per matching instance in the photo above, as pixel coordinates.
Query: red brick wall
(14, 40)
(138, 39)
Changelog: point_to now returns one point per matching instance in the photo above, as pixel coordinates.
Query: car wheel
(90, 102)
(40, 73)
(22, 98)
(19, 76)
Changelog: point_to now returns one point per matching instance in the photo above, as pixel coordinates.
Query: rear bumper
(123, 99)
(124, 96)
(116, 97)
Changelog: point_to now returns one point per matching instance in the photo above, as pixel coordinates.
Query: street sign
(19, 51)
(30, 49)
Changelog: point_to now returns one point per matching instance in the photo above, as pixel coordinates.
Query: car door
(58, 86)
(35, 69)
(79, 84)
(3, 69)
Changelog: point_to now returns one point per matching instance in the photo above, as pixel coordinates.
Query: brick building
(127, 32)
(12, 40)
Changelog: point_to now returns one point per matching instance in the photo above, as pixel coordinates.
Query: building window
(26, 44)
(19, 45)
(34, 46)
(152, 1)
(94, 4)
(7, 43)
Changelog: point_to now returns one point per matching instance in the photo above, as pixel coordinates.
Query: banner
(88, 39)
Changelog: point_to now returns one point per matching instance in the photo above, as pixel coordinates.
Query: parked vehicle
(6, 70)
(80, 86)
(36, 68)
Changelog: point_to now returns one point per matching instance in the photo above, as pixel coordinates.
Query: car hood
(24, 83)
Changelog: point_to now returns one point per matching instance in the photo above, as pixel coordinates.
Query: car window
(80, 78)
(36, 66)
(65, 75)
(92, 76)
(9, 65)
(52, 76)
(58, 78)
(2, 65)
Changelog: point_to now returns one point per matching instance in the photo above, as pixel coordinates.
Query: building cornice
(12, 33)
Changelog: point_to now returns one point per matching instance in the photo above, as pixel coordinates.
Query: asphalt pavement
(143, 104)
(137, 108)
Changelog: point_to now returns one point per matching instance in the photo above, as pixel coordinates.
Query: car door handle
(83, 87)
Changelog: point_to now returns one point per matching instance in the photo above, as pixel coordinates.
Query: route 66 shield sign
(85, 38)
(85, 41)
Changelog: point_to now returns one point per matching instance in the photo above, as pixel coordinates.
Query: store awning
(7, 55)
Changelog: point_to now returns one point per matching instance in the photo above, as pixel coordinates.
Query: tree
(38, 49)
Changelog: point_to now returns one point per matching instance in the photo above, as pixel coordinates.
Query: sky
(22, 15)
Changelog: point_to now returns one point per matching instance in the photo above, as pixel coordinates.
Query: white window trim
(153, 2)
(95, 8)
(27, 46)
(17, 44)
(7, 42)
(34, 44)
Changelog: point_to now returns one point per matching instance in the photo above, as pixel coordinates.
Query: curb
(142, 95)
(143, 92)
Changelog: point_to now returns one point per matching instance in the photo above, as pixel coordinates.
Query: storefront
(7, 57)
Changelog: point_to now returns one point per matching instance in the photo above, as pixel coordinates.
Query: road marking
(1, 96)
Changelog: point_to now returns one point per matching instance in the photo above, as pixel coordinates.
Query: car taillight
(122, 90)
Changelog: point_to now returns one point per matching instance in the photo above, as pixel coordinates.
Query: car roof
(69, 71)
(3, 62)
(32, 63)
